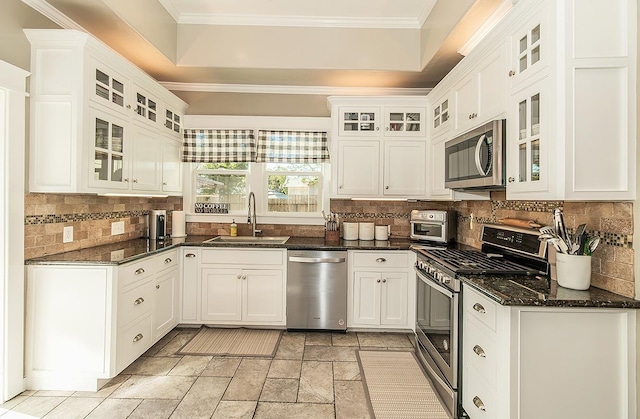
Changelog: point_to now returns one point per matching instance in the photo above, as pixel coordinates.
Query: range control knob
(446, 279)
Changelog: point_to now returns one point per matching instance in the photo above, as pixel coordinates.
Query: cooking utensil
(520, 223)
(548, 230)
(593, 244)
(579, 231)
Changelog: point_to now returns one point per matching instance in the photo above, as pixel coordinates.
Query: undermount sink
(249, 239)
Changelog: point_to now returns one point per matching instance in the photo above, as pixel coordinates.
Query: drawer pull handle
(190, 255)
(381, 260)
(479, 308)
(139, 271)
(138, 337)
(479, 351)
(138, 301)
(478, 402)
(168, 260)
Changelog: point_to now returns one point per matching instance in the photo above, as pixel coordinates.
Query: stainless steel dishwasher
(317, 290)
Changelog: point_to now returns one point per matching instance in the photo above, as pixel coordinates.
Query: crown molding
(294, 90)
(425, 11)
(299, 21)
(170, 7)
(497, 16)
(53, 14)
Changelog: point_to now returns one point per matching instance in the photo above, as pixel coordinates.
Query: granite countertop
(130, 250)
(520, 290)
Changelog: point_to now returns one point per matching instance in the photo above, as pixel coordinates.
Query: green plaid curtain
(218, 146)
(292, 147)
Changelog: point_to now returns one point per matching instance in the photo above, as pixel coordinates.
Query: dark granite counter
(519, 290)
(128, 251)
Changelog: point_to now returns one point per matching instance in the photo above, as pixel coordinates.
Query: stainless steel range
(505, 251)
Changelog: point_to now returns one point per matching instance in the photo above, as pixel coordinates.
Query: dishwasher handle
(316, 260)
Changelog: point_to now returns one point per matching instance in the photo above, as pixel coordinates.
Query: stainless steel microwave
(476, 159)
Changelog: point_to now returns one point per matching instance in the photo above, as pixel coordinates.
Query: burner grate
(474, 262)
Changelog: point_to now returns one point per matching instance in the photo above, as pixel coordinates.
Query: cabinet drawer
(134, 341)
(135, 302)
(481, 308)
(479, 397)
(135, 271)
(380, 260)
(243, 257)
(480, 350)
(166, 260)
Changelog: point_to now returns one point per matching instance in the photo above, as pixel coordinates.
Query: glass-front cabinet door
(404, 122)
(173, 122)
(110, 89)
(528, 143)
(108, 157)
(146, 106)
(359, 121)
(529, 50)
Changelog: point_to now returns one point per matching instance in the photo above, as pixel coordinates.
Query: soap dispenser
(233, 231)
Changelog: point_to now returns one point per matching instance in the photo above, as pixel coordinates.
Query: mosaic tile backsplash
(91, 216)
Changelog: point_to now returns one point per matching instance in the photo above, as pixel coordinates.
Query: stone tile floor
(313, 375)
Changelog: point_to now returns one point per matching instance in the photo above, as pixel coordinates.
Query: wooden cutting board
(520, 223)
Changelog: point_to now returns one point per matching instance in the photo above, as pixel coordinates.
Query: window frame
(257, 180)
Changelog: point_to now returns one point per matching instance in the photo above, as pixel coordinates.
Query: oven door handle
(433, 284)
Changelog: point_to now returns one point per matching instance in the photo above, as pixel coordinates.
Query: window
(294, 187)
(221, 184)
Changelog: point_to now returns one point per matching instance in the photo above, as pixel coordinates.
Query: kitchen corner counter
(130, 250)
(536, 291)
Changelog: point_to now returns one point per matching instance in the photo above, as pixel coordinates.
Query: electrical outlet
(67, 234)
(117, 228)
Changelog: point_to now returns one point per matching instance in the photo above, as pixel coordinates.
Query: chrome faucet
(251, 219)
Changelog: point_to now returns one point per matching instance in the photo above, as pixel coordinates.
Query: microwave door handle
(478, 150)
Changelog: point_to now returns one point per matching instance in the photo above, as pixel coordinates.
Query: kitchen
(613, 216)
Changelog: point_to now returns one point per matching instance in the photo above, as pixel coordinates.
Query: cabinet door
(146, 106)
(263, 295)
(172, 121)
(359, 121)
(358, 167)
(440, 114)
(221, 296)
(366, 297)
(492, 76)
(529, 170)
(108, 162)
(166, 307)
(404, 122)
(171, 167)
(393, 298)
(190, 280)
(530, 51)
(145, 156)
(110, 88)
(405, 168)
(465, 97)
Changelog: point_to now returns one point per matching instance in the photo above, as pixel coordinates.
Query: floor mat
(236, 342)
(396, 387)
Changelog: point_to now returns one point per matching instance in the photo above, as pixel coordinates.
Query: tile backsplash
(90, 215)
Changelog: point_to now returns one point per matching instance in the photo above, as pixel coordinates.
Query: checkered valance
(218, 146)
(292, 147)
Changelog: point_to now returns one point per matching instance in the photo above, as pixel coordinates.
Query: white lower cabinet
(234, 286)
(381, 290)
(547, 362)
(86, 323)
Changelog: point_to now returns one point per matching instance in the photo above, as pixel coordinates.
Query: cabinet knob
(138, 301)
(479, 308)
(512, 73)
(164, 183)
(386, 187)
(239, 276)
(511, 179)
(479, 404)
(479, 351)
(135, 180)
(381, 260)
(387, 129)
(470, 116)
(244, 277)
(157, 286)
(138, 337)
(190, 255)
(377, 128)
(378, 280)
(340, 187)
(128, 106)
(126, 179)
(139, 271)
(168, 260)
(384, 281)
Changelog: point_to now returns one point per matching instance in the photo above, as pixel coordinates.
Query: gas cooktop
(475, 262)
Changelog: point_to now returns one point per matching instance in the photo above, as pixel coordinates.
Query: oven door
(437, 326)
(425, 231)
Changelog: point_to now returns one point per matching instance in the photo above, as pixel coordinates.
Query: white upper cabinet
(440, 114)
(380, 149)
(96, 128)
